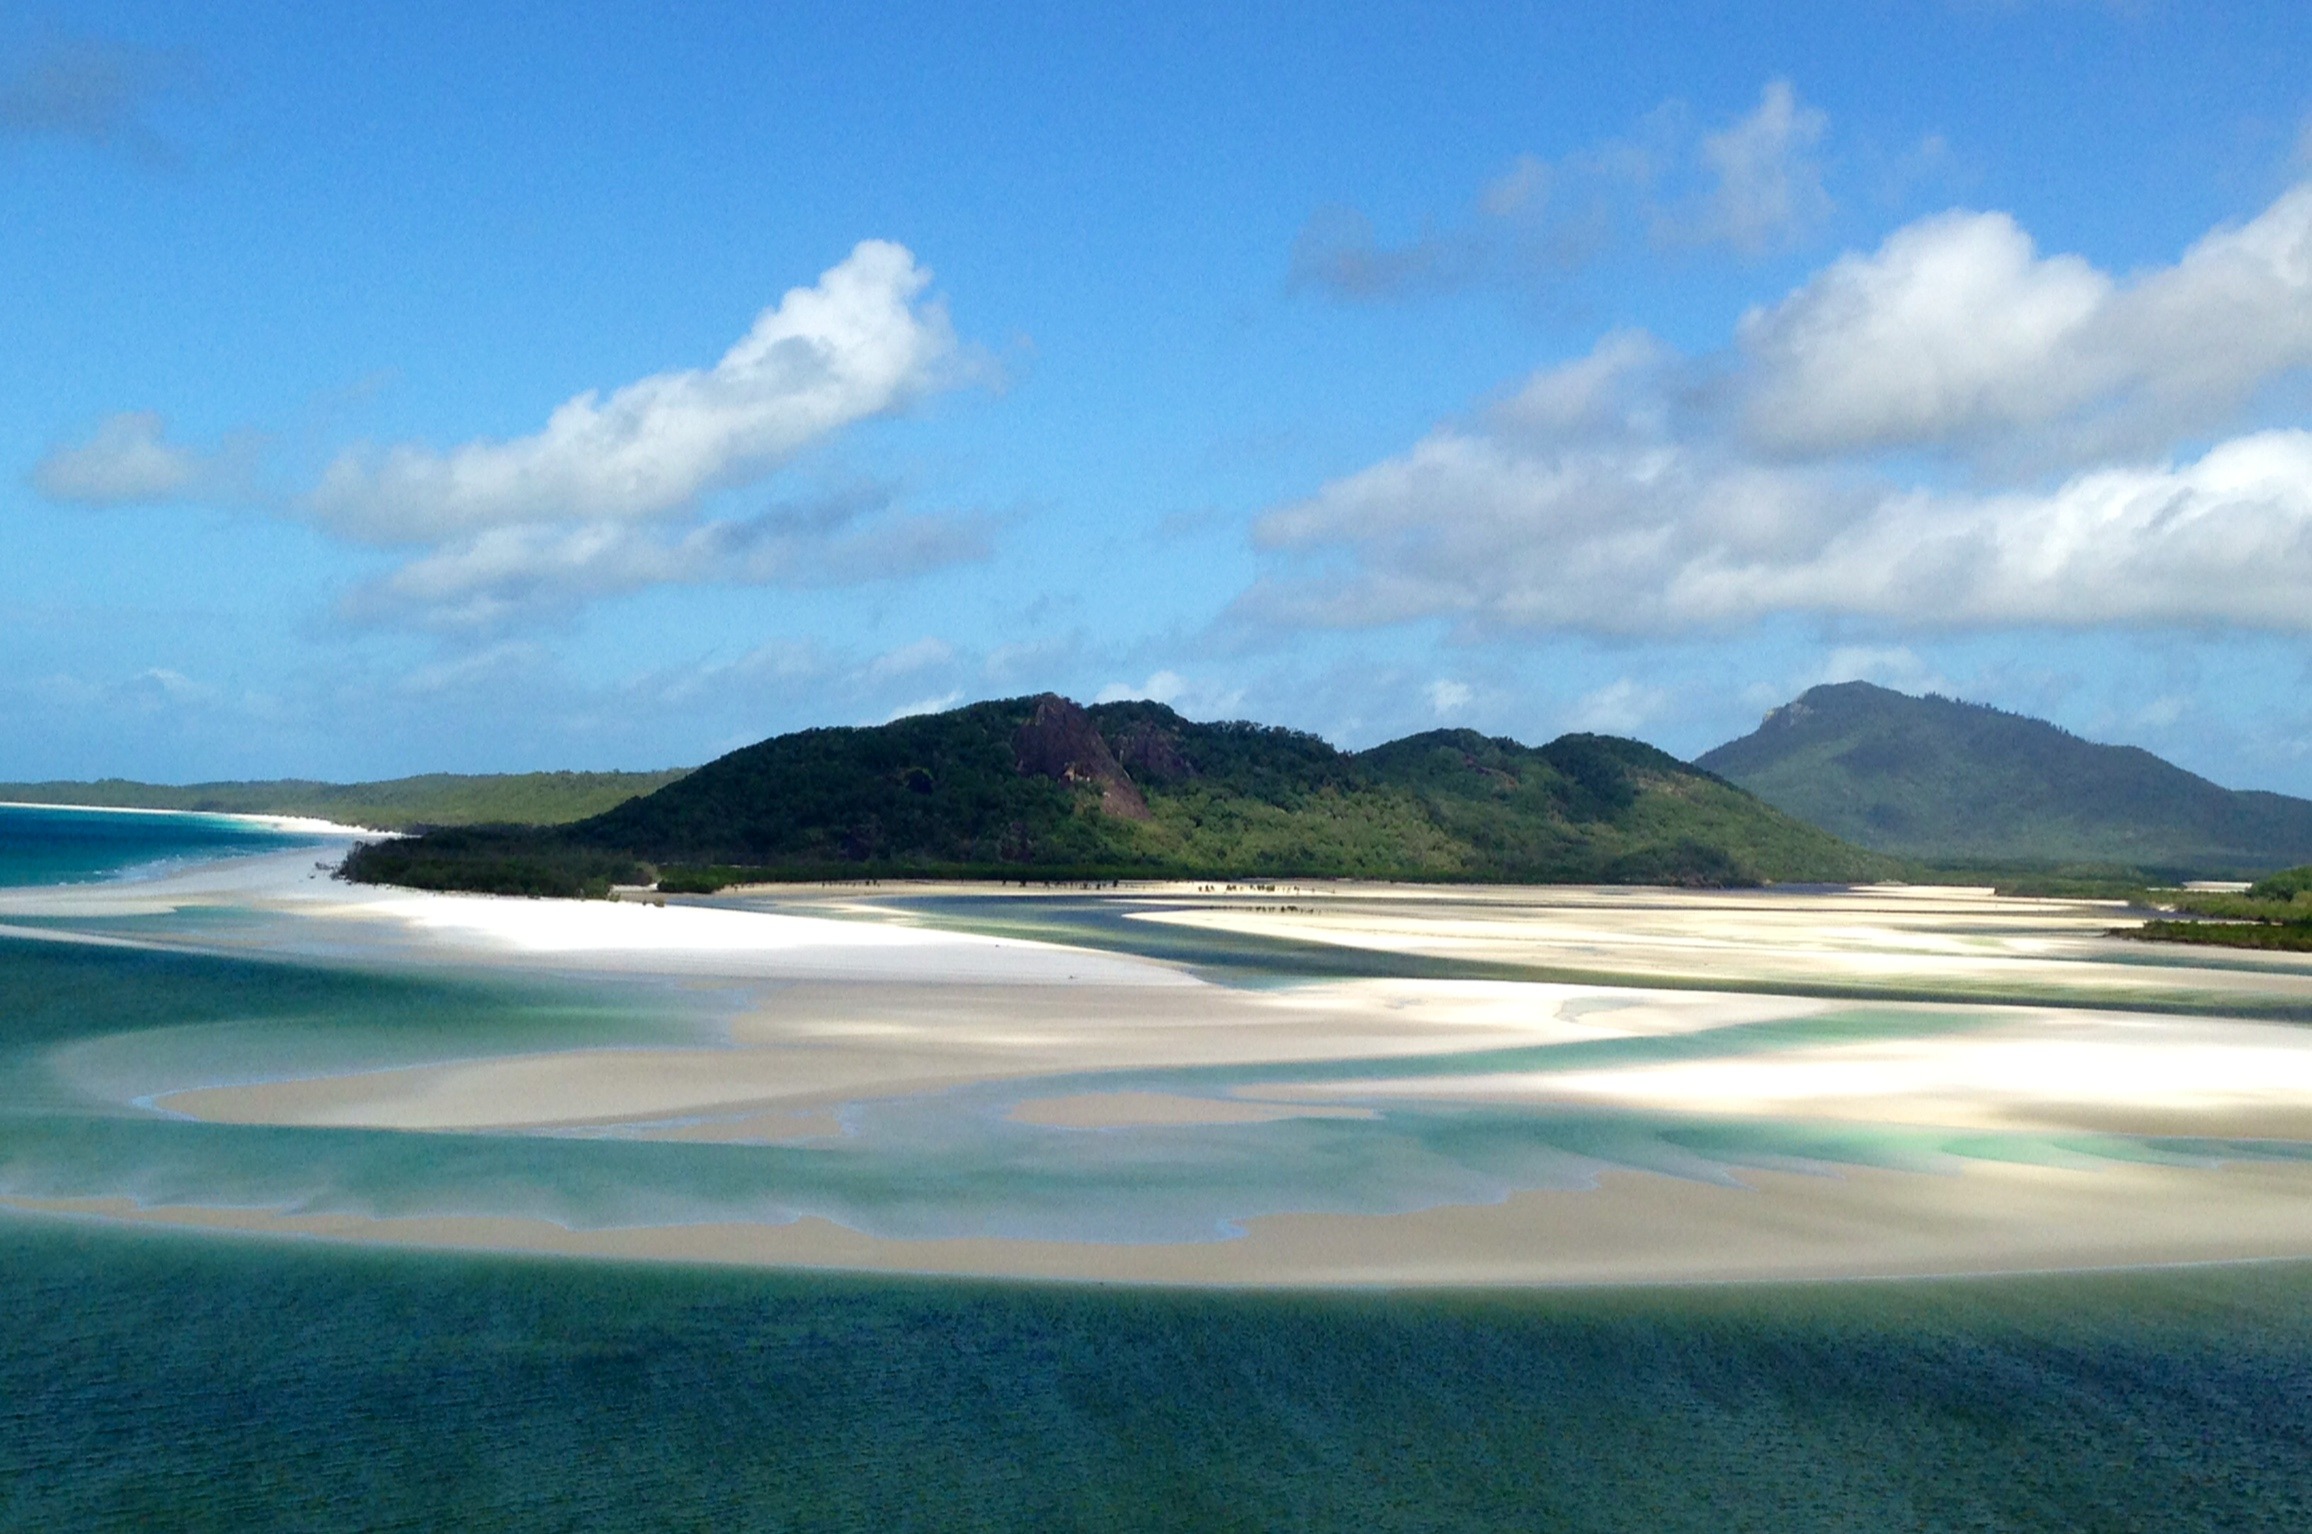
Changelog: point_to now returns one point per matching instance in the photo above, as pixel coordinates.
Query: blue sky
(391, 389)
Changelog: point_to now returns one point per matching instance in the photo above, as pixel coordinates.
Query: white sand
(874, 1007)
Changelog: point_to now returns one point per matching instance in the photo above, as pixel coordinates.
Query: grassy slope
(1936, 779)
(943, 794)
(397, 804)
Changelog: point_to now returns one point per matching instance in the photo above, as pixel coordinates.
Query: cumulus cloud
(859, 343)
(1957, 329)
(611, 494)
(1645, 538)
(1619, 494)
(1752, 186)
(129, 460)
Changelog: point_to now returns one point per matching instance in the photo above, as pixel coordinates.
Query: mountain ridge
(1040, 786)
(1944, 780)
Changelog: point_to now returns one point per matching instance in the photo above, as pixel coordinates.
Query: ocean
(42, 845)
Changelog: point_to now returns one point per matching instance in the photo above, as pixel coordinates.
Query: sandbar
(1715, 1014)
(1635, 1228)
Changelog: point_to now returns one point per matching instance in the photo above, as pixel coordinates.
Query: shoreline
(302, 824)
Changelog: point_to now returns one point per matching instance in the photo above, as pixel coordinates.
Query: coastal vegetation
(1043, 788)
(395, 804)
(2274, 913)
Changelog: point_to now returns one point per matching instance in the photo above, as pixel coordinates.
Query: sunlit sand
(829, 1004)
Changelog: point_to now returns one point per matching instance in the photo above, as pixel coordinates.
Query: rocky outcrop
(1060, 742)
(1152, 754)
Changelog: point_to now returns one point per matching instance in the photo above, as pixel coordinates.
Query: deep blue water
(60, 846)
(186, 1382)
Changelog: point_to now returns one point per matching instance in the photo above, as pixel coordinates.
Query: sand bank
(2048, 1069)
(825, 1043)
(1896, 941)
(865, 1005)
(1636, 1228)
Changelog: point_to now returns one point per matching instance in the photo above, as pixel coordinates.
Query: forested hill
(1941, 780)
(1042, 786)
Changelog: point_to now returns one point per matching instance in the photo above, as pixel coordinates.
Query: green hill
(1040, 787)
(397, 804)
(1951, 782)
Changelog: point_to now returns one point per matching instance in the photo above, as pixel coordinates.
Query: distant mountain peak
(1945, 779)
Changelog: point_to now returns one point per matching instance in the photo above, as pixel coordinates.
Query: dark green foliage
(950, 795)
(1937, 779)
(2288, 884)
(398, 804)
(2274, 913)
(2294, 936)
(494, 860)
(926, 792)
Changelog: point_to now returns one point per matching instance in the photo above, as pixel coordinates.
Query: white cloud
(606, 497)
(1447, 698)
(857, 344)
(1957, 327)
(1197, 700)
(1634, 532)
(508, 574)
(1618, 494)
(129, 460)
(1768, 187)
(1621, 707)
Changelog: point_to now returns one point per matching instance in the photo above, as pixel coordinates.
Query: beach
(1814, 1084)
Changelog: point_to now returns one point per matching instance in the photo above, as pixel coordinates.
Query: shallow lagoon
(226, 1382)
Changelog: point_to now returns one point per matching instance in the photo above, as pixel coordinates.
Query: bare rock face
(1060, 742)
(1152, 754)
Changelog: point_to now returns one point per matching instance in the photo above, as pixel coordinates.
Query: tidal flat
(1156, 1207)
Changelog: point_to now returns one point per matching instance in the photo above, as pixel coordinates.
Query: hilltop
(1945, 781)
(1043, 787)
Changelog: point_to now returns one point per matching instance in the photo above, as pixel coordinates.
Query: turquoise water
(59, 846)
(152, 1377)
(89, 1035)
